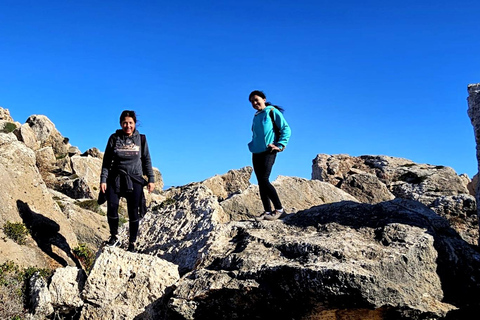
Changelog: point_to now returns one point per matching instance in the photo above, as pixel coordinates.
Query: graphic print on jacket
(126, 149)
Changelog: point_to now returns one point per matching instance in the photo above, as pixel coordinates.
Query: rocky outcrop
(296, 194)
(341, 256)
(25, 199)
(474, 114)
(124, 285)
(373, 179)
(371, 237)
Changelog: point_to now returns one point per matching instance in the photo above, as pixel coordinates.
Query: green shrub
(85, 255)
(9, 127)
(13, 289)
(167, 202)
(91, 205)
(16, 231)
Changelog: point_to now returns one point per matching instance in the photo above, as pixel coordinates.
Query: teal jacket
(264, 133)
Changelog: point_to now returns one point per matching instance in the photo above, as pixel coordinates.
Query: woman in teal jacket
(271, 133)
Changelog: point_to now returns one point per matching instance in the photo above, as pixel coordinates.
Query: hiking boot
(113, 241)
(131, 247)
(273, 215)
(261, 217)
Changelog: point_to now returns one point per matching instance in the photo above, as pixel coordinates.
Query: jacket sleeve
(147, 163)
(283, 127)
(107, 159)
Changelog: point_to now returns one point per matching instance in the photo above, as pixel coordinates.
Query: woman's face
(128, 126)
(258, 103)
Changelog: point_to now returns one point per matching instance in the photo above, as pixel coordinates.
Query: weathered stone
(233, 182)
(88, 168)
(65, 287)
(5, 115)
(474, 114)
(40, 298)
(47, 135)
(25, 199)
(124, 285)
(295, 193)
(401, 178)
(178, 229)
(25, 134)
(343, 255)
(366, 187)
(93, 152)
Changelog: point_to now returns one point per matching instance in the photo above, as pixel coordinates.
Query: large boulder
(25, 199)
(373, 179)
(474, 115)
(390, 261)
(124, 285)
(47, 135)
(295, 193)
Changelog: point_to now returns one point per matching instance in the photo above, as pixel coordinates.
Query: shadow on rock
(46, 233)
(458, 263)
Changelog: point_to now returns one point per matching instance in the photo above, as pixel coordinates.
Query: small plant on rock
(85, 255)
(16, 231)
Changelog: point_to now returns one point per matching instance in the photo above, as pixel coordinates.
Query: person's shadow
(46, 233)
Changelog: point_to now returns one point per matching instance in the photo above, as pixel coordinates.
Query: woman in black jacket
(126, 160)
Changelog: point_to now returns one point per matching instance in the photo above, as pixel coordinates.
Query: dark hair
(128, 113)
(263, 96)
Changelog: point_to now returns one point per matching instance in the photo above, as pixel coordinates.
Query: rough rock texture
(124, 285)
(89, 169)
(233, 182)
(373, 179)
(295, 193)
(47, 134)
(474, 114)
(60, 297)
(25, 134)
(25, 199)
(344, 256)
(5, 115)
(179, 228)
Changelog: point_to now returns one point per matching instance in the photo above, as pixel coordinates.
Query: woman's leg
(262, 166)
(133, 202)
(112, 210)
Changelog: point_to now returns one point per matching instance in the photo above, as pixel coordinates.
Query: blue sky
(355, 77)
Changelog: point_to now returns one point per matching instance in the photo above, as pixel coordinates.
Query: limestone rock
(474, 115)
(178, 229)
(93, 152)
(124, 285)
(40, 298)
(373, 179)
(295, 193)
(47, 135)
(233, 182)
(5, 115)
(25, 134)
(25, 199)
(89, 226)
(89, 169)
(65, 287)
(315, 261)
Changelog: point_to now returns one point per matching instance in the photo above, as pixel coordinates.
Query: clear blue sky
(355, 77)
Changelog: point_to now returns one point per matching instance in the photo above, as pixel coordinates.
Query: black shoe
(131, 247)
(113, 241)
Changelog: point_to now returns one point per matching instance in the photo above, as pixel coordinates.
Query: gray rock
(124, 285)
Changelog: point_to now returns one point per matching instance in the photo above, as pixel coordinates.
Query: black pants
(133, 201)
(262, 166)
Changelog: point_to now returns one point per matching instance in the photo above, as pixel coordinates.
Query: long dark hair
(128, 113)
(263, 96)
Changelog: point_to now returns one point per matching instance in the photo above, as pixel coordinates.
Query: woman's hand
(150, 187)
(103, 187)
(273, 147)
